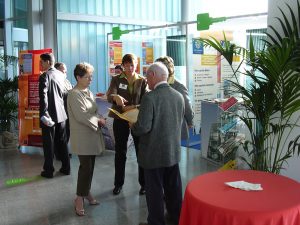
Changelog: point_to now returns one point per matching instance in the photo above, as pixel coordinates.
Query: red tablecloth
(208, 201)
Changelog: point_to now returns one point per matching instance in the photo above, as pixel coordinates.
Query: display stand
(219, 131)
(30, 133)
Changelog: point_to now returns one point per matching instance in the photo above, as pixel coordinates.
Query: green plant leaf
(8, 102)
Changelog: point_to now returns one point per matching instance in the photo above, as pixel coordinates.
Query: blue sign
(197, 46)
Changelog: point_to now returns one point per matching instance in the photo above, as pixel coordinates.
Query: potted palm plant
(8, 91)
(272, 99)
(8, 103)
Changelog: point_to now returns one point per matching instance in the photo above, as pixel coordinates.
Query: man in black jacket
(53, 116)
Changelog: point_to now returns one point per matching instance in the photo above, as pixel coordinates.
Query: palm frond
(294, 20)
(227, 50)
(8, 59)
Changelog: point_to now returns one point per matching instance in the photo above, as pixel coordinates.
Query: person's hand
(120, 101)
(128, 107)
(101, 122)
(130, 124)
(47, 121)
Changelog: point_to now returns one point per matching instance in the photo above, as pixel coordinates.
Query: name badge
(123, 86)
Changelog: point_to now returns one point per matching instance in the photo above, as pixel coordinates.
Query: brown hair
(48, 57)
(82, 68)
(129, 58)
(169, 63)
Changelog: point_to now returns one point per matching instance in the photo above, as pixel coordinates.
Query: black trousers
(163, 185)
(121, 133)
(85, 174)
(56, 151)
(54, 139)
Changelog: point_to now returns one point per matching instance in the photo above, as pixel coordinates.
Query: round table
(209, 201)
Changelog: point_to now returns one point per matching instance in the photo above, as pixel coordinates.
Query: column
(35, 25)
(49, 21)
(185, 12)
(8, 40)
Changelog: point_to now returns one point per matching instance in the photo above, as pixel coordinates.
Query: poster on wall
(205, 80)
(115, 55)
(28, 114)
(147, 56)
(210, 73)
(26, 66)
(227, 75)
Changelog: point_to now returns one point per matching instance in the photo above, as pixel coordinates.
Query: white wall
(293, 167)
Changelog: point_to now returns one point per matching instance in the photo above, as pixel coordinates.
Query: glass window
(18, 46)
(2, 13)
(19, 9)
(2, 67)
(1, 10)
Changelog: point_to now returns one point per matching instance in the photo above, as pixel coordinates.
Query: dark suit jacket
(189, 113)
(51, 93)
(159, 127)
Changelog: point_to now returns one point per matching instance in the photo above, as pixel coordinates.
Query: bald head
(156, 73)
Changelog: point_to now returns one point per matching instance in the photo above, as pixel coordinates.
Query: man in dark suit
(159, 128)
(53, 116)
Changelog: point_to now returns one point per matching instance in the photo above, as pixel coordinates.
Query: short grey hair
(159, 69)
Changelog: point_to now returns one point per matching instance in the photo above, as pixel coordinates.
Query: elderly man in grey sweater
(159, 127)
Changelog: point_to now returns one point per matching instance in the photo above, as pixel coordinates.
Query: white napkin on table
(246, 186)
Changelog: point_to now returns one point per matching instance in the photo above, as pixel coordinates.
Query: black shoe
(46, 175)
(65, 172)
(142, 191)
(117, 190)
(70, 155)
(168, 218)
(143, 224)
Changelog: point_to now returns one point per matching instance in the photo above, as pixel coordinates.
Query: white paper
(246, 186)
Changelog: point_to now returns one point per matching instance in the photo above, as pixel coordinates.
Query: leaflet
(130, 115)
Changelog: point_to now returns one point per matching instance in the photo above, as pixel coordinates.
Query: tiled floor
(50, 201)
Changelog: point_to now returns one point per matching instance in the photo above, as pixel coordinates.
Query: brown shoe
(91, 200)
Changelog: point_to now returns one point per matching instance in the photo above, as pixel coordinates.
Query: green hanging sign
(117, 33)
(204, 21)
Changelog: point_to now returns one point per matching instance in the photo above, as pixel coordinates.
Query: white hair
(159, 69)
